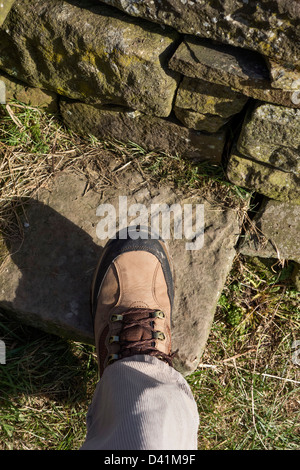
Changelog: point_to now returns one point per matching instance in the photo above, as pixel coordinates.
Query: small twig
(279, 378)
(208, 366)
(122, 167)
(238, 355)
(262, 374)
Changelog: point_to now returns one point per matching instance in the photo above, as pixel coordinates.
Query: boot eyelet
(114, 317)
(158, 335)
(113, 339)
(112, 358)
(158, 314)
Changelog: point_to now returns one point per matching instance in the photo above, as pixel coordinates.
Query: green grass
(247, 385)
(45, 389)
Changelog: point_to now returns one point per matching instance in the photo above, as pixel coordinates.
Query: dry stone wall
(172, 75)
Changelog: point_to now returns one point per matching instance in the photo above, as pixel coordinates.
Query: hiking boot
(132, 299)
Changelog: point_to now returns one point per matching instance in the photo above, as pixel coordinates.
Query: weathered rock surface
(198, 121)
(263, 178)
(276, 125)
(206, 106)
(279, 157)
(286, 77)
(92, 54)
(46, 280)
(271, 27)
(16, 90)
(276, 232)
(5, 7)
(242, 70)
(150, 132)
(271, 134)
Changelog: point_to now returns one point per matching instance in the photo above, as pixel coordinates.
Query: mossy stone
(271, 134)
(5, 7)
(92, 54)
(263, 179)
(271, 28)
(206, 106)
(20, 91)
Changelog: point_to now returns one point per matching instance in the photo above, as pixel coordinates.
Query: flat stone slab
(45, 281)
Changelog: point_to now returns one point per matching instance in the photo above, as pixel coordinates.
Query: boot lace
(138, 336)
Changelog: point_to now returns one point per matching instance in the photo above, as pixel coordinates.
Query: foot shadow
(55, 260)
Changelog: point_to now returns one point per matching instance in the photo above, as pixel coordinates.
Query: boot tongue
(137, 325)
(136, 333)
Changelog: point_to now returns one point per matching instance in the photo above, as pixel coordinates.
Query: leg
(141, 402)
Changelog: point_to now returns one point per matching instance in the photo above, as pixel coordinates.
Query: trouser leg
(142, 403)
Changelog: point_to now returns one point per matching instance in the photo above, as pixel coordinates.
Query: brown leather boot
(131, 300)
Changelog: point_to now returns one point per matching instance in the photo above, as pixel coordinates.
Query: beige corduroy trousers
(141, 403)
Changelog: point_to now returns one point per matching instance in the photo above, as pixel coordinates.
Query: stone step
(45, 281)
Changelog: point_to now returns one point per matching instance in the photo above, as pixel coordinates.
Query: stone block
(92, 54)
(150, 132)
(274, 125)
(275, 232)
(284, 76)
(263, 178)
(242, 70)
(206, 106)
(271, 134)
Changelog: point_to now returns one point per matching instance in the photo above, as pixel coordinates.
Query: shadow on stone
(55, 262)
